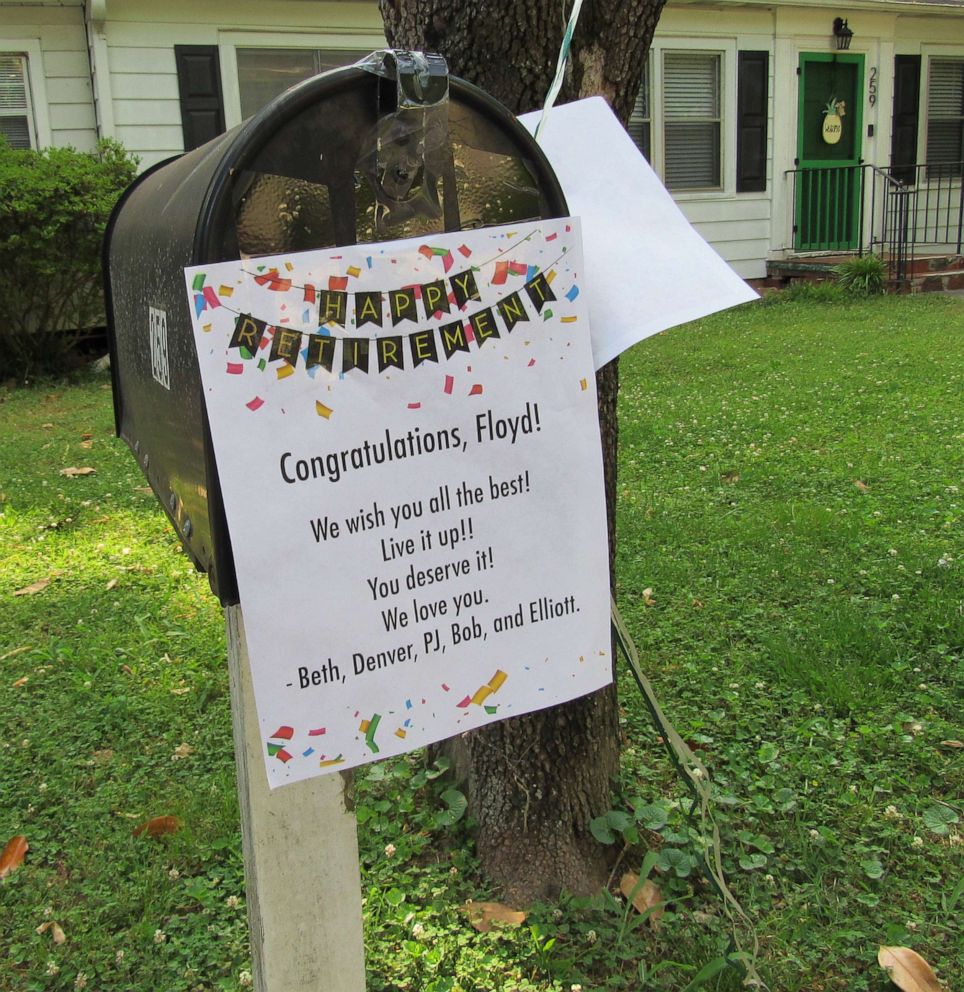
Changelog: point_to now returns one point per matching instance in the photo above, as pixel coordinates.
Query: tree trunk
(534, 782)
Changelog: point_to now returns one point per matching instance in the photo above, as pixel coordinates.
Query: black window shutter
(751, 121)
(903, 135)
(199, 86)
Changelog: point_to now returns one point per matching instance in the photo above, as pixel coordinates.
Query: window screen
(945, 114)
(692, 124)
(14, 100)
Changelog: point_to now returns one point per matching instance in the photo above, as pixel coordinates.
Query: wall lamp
(842, 34)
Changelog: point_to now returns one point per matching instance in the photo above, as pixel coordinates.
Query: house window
(945, 116)
(264, 73)
(640, 120)
(16, 123)
(692, 120)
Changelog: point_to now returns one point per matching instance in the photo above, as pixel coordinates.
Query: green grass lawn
(790, 564)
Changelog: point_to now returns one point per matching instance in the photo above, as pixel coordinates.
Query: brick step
(925, 265)
(927, 273)
(936, 282)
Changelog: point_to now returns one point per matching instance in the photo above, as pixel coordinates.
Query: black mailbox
(389, 148)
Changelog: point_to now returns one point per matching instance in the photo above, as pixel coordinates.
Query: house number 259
(872, 86)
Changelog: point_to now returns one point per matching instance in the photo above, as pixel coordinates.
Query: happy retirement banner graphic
(408, 447)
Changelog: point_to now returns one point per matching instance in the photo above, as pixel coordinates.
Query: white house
(773, 137)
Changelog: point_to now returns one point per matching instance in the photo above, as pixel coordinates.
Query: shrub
(54, 205)
(865, 275)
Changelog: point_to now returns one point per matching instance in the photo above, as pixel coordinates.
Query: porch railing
(900, 212)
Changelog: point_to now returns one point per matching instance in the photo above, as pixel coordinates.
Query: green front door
(828, 177)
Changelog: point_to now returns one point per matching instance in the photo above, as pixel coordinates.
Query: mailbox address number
(160, 367)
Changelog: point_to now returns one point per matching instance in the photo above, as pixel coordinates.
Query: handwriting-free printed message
(408, 448)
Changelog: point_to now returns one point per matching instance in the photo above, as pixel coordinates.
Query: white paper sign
(408, 447)
(647, 269)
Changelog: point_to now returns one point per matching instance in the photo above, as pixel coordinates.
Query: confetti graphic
(493, 685)
(369, 728)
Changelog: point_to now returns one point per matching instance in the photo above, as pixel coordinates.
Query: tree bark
(534, 782)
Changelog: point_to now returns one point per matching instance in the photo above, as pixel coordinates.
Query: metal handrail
(893, 216)
(928, 209)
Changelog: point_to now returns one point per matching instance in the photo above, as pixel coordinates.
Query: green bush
(865, 275)
(54, 205)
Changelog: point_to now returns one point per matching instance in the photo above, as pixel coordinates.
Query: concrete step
(926, 274)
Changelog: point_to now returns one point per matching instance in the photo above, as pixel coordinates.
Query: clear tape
(405, 155)
(422, 77)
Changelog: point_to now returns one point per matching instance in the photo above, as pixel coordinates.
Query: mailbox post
(390, 148)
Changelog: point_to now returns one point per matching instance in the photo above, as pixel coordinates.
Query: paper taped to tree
(408, 449)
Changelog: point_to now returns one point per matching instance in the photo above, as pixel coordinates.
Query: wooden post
(300, 860)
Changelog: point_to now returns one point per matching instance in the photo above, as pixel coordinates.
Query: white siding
(737, 225)
(140, 38)
(55, 35)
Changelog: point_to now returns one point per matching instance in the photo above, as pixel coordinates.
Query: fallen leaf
(183, 750)
(648, 597)
(729, 478)
(158, 826)
(483, 914)
(103, 755)
(21, 682)
(697, 604)
(87, 444)
(181, 691)
(33, 588)
(647, 897)
(907, 969)
(14, 652)
(862, 486)
(112, 584)
(13, 854)
(955, 745)
(697, 746)
(56, 931)
(127, 670)
(72, 472)
(47, 427)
